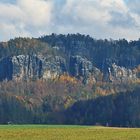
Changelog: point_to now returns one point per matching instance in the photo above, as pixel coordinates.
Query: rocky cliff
(77, 55)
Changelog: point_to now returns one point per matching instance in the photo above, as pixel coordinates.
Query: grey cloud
(134, 6)
(99, 18)
(122, 20)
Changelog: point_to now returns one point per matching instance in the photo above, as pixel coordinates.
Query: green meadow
(58, 132)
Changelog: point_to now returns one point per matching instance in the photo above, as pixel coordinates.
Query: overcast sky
(98, 18)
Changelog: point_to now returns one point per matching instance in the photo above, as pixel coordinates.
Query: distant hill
(43, 77)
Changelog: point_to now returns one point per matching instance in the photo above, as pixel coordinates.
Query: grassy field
(44, 132)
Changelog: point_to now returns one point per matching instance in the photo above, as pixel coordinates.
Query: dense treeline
(114, 110)
(101, 52)
(13, 110)
(24, 46)
(32, 101)
(68, 101)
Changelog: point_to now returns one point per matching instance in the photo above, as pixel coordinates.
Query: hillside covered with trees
(70, 79)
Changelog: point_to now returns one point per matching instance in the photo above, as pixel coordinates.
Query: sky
(100, 19)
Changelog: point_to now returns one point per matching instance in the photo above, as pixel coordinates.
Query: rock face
(35, 67)
(80, 66)
(24, 67)
(30, 67)
(121, 74)
(20, 67)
